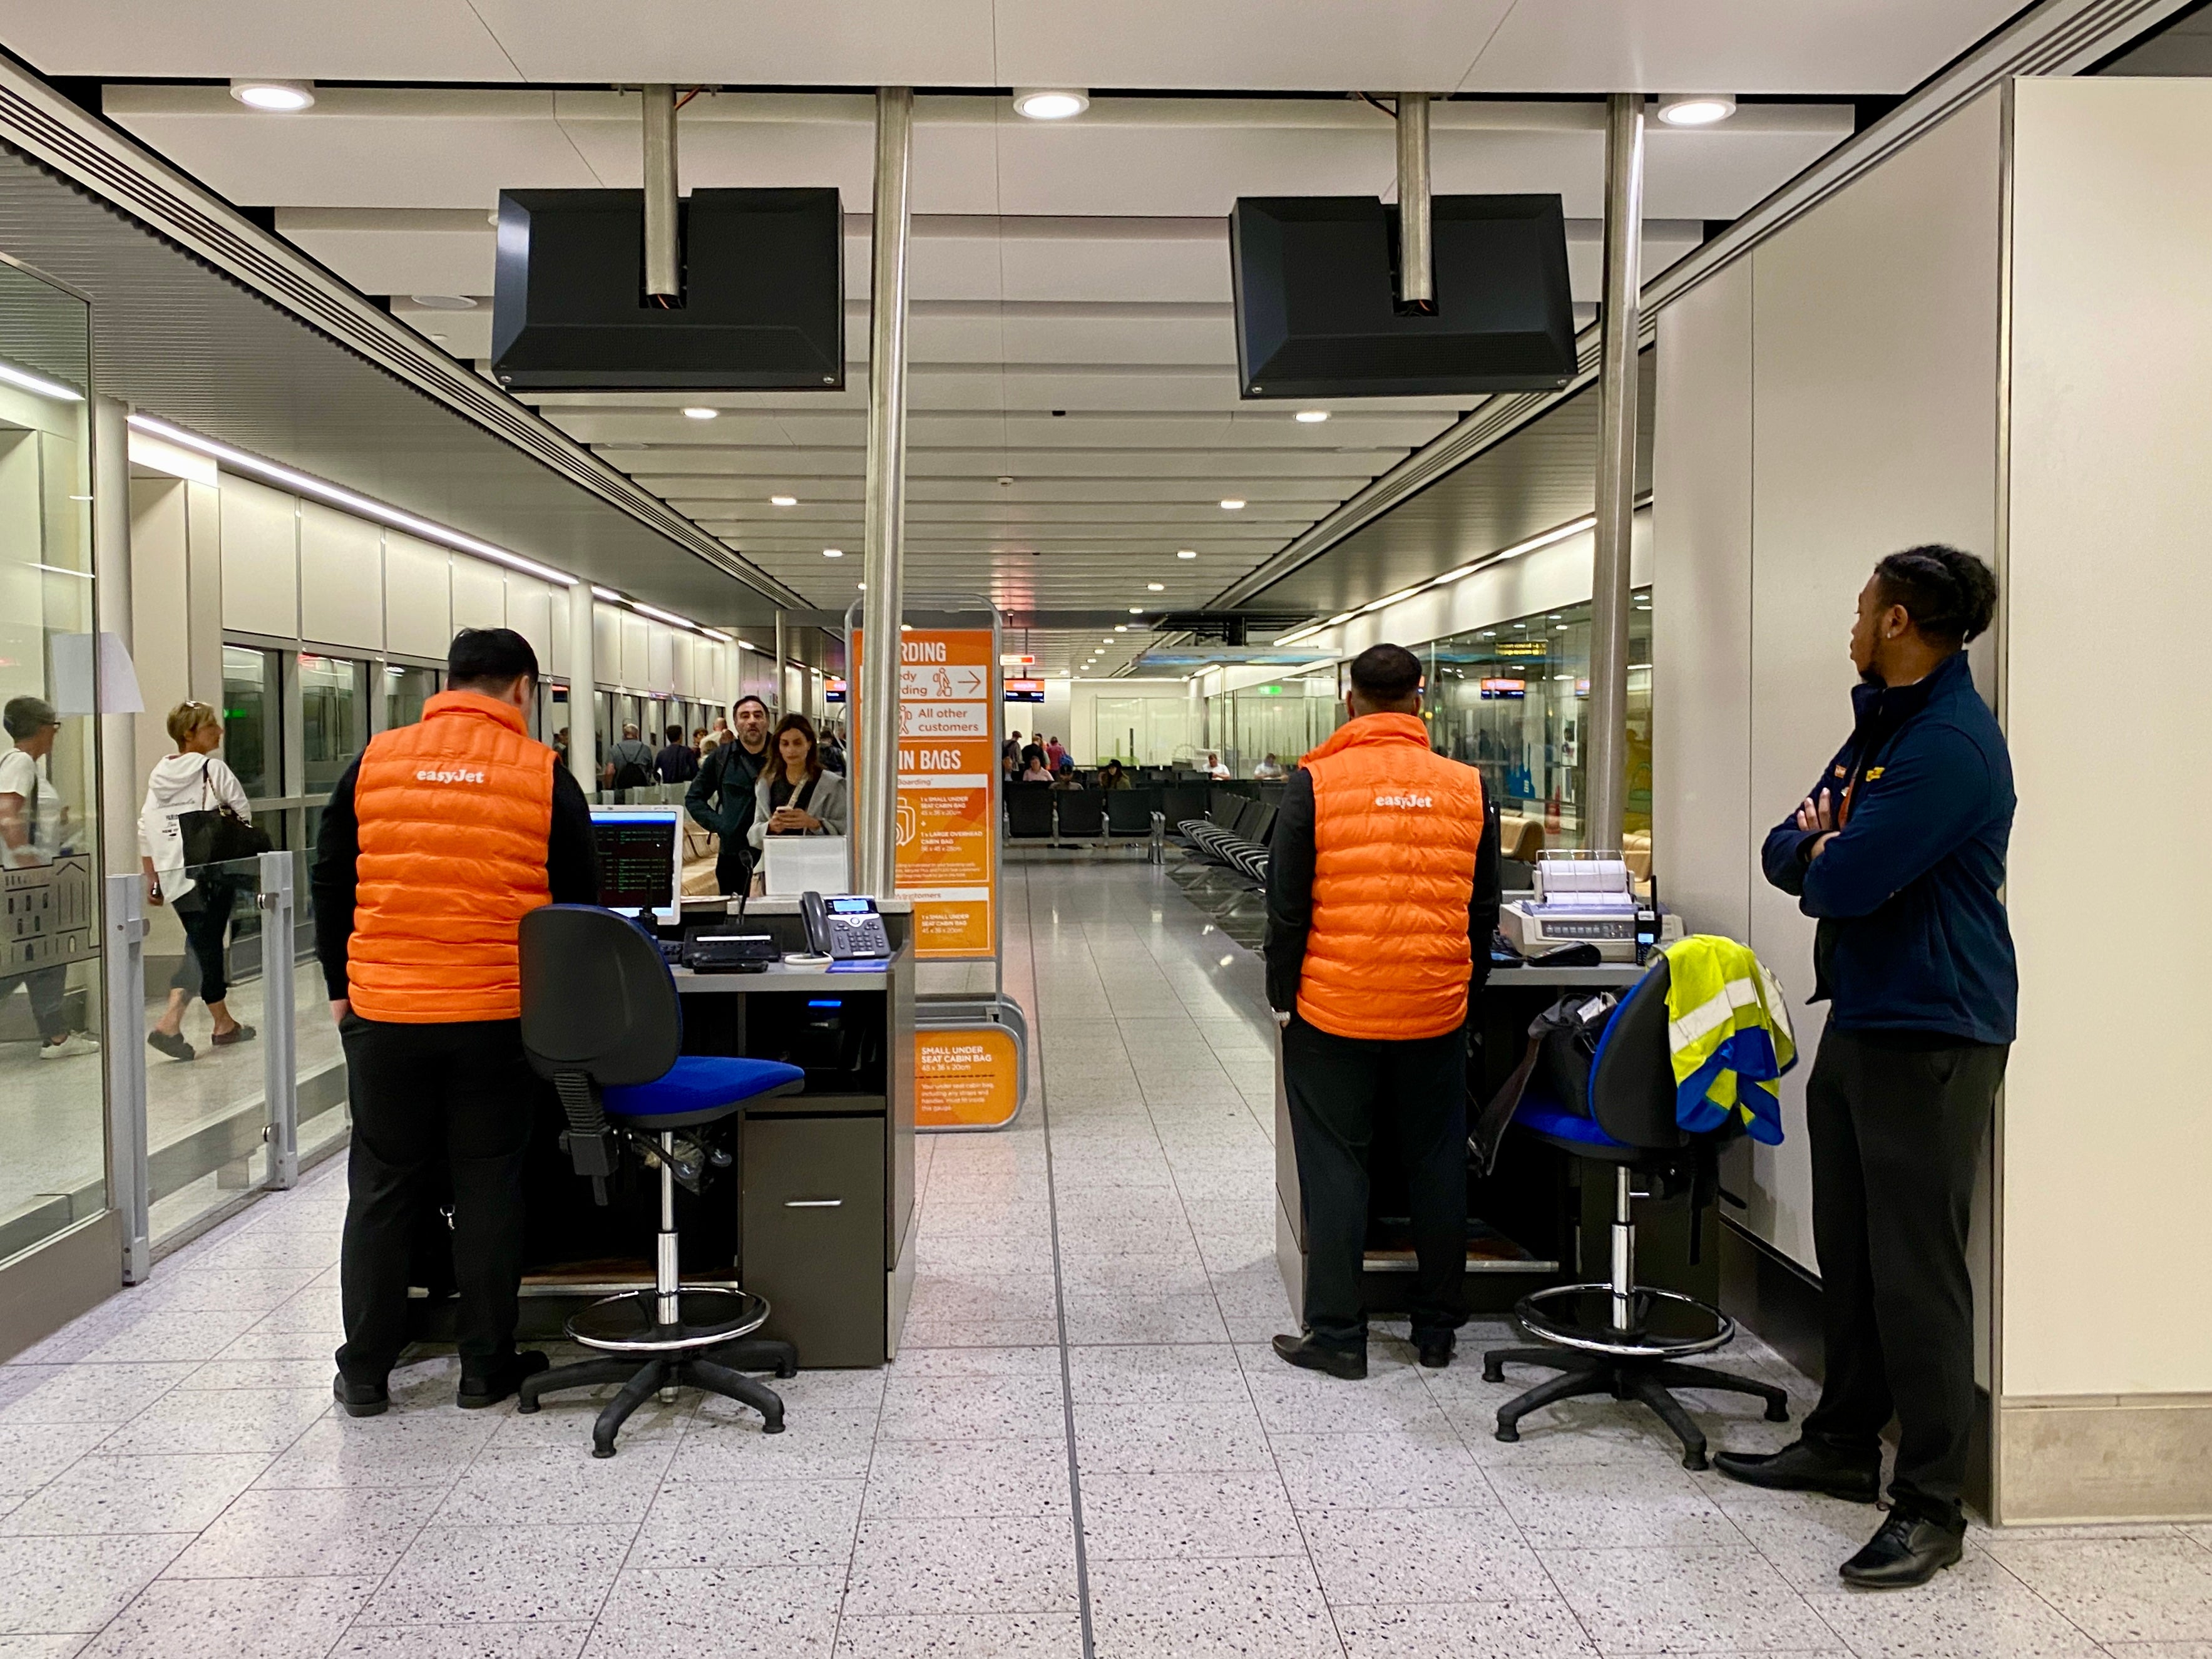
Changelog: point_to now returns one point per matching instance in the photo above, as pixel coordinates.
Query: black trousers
(733, 866)
(434, 1105)
(48, 990)
(1897, 1136)
(204, 914)
(1342, 1092)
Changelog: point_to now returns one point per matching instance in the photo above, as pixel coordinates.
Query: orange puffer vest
(1396, 828)
(454, 811)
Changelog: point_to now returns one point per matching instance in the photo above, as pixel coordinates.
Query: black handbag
(217, 835)
(1562, 1048)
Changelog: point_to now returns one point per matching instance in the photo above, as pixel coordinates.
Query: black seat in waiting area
(1129, 812)
(1082, 813)
(1234, 833)
(1028, 811)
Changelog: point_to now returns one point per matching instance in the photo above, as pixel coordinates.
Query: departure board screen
(637, 858)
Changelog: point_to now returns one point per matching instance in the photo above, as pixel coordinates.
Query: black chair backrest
(1223, 811)
(1081, 811)
(1248, 820)
(597, 999)
(1261, 826)
(1184, 801)
(1632, 1083)
(1129, 812)
(1029, 809)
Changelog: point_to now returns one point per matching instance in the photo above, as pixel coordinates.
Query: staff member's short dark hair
(488, 656)
(1950, 596)
(1386, 673)
(747, 698)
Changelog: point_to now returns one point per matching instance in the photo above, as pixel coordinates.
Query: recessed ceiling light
(443, 301)
(1695, 109)
(701, 412)
(1050, 104)
(1311, 416)
(1120, 627)
(783, 500)
(1185, 553)
(1155, 587)
(1231, 503)
(833, 552)
(275, 97)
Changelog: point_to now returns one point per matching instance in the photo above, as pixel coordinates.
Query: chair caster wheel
(603, 1451)
(785, 1372)
(1508, 1433)
(1778, 1413)
(1694, 1461)
(1492, 1373)
(526, 1408)
(771, 1428)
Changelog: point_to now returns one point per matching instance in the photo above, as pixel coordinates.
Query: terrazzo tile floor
(1086, 1357)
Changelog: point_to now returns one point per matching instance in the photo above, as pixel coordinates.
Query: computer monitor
(641, 857)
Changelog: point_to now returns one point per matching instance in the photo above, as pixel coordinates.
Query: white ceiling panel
(1425, 45)
(756, 42)
(1728, 45)
(382, 41)
(398, 249)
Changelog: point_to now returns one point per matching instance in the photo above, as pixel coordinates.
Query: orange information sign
(964, 1079)
(948, 837)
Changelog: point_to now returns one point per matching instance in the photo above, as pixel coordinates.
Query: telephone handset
(843, 927)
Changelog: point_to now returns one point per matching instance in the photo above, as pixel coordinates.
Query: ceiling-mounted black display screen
(1317, 298)
(762, 307)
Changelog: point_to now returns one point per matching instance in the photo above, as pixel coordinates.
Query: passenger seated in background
(1212, 766)
(797, 795)
(1111, 777)
(1269, 770)
(1066, 779)
(676, 763)
(1033, 769)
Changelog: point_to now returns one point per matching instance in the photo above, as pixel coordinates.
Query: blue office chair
(1621, 1338)
(601, 1018)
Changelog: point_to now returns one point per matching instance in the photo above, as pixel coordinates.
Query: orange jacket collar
(1370, 729)
(475, 703)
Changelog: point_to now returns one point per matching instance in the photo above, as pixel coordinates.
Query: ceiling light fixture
(1120, 627)
(833, 552)
(1232, 504)
(783, 500)
(701, 412)
(1155, 587)
(1186, 552)
(275, 97)
(39, 383)
(1050, 103)
(1695, 109)
(306, 484)
(1310, 417)
(608, 594)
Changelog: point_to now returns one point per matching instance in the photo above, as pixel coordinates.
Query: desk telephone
(843, 927)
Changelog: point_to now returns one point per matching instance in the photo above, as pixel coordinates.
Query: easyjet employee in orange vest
(1382, 896)
(435, 845)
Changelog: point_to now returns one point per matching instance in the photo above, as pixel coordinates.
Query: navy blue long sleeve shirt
(1913, 935)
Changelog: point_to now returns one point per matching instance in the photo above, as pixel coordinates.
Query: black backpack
(1562, 1048)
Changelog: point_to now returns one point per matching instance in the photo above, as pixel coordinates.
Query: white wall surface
(479, 595)
(2107, 1140)
(1858, 364)
(341, 578)
(528, 615)
(418, 597)
(260, 560)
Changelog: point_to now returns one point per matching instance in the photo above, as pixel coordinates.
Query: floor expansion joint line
(1060, 1317)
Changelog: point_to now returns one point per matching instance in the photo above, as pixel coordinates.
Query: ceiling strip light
(306, 484)
(39, 383)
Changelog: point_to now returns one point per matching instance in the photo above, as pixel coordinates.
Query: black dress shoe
(1907, 1550)
(497, 1380)
(1802, 1466)
(1436, 1348)
(1306, 1353)
(360, 1399)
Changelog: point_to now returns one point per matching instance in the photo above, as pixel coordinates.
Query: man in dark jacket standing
(720, 798)
(1899, 851)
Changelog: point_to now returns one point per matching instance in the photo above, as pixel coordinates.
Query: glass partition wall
(53, 1117)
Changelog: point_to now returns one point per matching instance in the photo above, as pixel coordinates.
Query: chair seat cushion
(1554, 1121)
(699, 1088)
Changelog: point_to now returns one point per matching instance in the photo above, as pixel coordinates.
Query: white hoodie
(182, 783)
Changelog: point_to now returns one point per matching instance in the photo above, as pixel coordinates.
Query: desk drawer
(813, 1233)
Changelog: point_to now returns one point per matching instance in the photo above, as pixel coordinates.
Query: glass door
(57, 1246)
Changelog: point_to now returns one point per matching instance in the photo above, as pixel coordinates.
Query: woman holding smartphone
(797, 795)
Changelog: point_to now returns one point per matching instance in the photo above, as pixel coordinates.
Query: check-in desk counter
(816, 1211)
(1525, 1225)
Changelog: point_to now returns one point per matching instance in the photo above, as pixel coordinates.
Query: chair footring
(716, 1374)
(1648, 1380)
(707, 1317)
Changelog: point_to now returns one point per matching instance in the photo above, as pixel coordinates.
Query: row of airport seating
(1234, 833)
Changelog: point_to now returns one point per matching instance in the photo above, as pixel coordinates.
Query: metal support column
(876, 741)
(280, 1075)
(1606, 716)
(583, 693)
(1417, 281)
(781, 705)
(111, 563)
(664, 277)
(129, 1182)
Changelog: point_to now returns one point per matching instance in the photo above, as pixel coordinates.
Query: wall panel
(418, 603)
(261, 559)
(341, 578)
(479, 594)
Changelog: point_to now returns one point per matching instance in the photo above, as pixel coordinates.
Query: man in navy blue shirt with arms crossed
(1898, 850)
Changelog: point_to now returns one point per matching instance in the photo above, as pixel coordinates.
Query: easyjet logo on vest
(1408, 801)
(447, 774)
